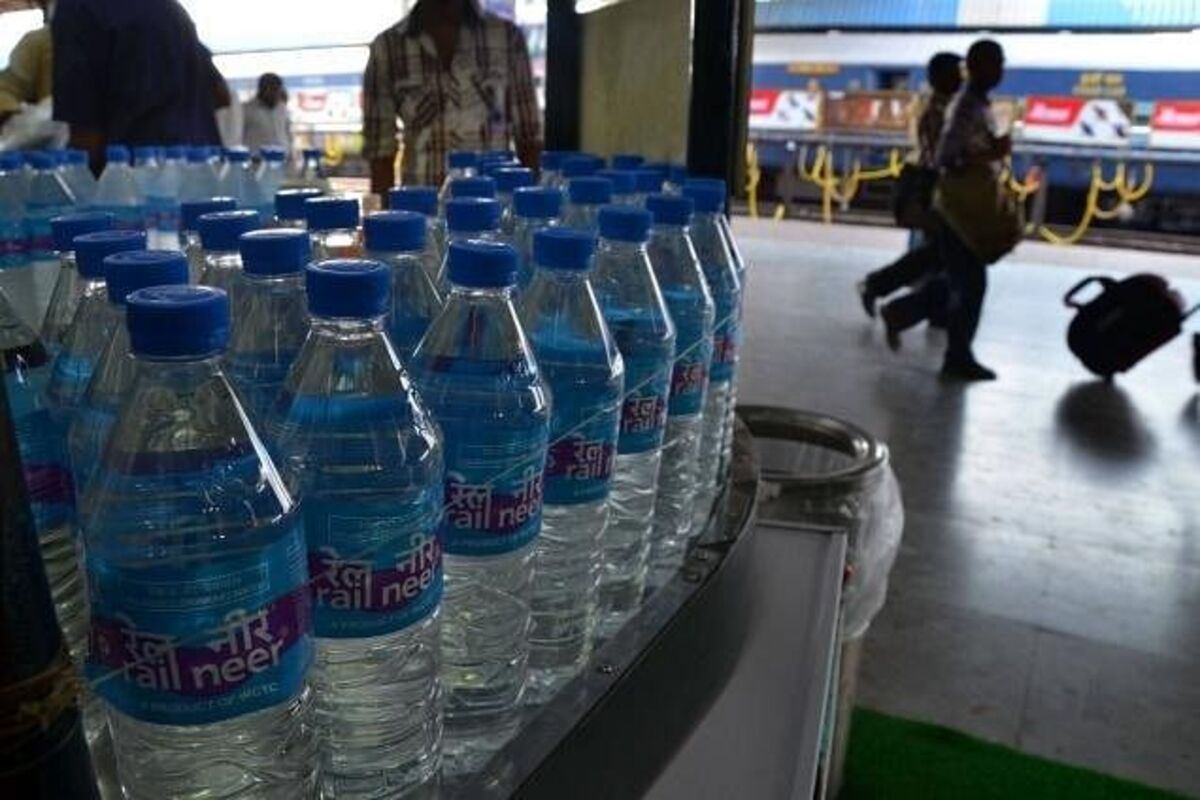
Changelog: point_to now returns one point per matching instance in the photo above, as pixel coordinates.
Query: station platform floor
(1047, 593)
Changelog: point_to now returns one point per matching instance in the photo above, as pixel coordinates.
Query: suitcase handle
(1069, 298)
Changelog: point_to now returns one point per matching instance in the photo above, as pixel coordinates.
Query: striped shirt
(485, 101)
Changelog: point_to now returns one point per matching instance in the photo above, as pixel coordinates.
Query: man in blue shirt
(133, 72)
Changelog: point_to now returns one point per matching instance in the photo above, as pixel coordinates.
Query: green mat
(894, 759)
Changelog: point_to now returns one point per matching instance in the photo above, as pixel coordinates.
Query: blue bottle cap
(59, 155)
(189, 322)
(192, 210)
(92, 248)
(278, 251)
(462, 159)
(627, 161)
(311, 152)
(289, 203)
(499, 155)
(707, 193)
(647, 181)
(590, 190)
(271, 152)
(197, 155)
(624, 224)
(331, 213)
(490, 168)
(64, 229)
(237, 155)
(677, 173)
(477, 186)
(10, 161)
(581, 165)
(219, 230)
(537, 202)
(75, 156)
(213, 152)
(129, 271)
(175, 152)
(552, 159)
(663, 168)
(485, 265)
(421, 199)
(563, 248)
(116, 153)
(509, 179)
(472, 215)
(349, 288)
(144, 153)
(39, 160)
(624, 181)
(670, 209)
(394, 232)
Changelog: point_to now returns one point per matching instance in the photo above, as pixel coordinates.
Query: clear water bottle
(585, 197)
(47, 197)
(627, 161)
(289, 206)
(220, 233)
(423, 200)
(78, 176)
(190, 212)
(580, 165)
(68, 288)
(272, 172)
(125, 272)
(239, 181)
(459, 164)
(468, 218)
(200, 644)
(270, 319)
(311, 173)
(333, 224)
(508, 180)
(198, 181)
(580, 364)
(624, 185)
(691, 305)
(16, 277)
(637, 316)
(398, 240)
(147, 161)
(473, 186)
(93, 323)
(716, 261)
(161, 191)
(534, 208)
(359, 445)
(118, 192)
(551, 168)
(646, 183)
(480, 380)
(676, 176)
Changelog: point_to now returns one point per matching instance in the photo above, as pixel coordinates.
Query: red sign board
(1175, 123)
(1077, 120)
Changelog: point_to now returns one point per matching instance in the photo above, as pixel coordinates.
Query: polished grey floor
(1047, 594)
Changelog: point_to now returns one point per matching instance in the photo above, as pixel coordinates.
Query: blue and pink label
(40, 440)
(376, 567)
(726, 341)
(579, 464)
(644, 409)
(494, 494)
(688, 381)
(195, 643)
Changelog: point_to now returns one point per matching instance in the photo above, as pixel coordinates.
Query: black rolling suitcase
(1127, 321)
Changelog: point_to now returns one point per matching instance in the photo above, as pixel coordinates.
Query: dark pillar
(716, 118)
(564, 63)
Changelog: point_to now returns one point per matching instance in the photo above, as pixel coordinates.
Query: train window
(892, 79)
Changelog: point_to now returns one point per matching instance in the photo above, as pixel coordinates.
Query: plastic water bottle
(480, 380)
(585, 197)
(289, 206)
(508, 180)
(118, 192)
(161, 192)
(646, 183)
(198, 182)
(580, 363)
(627, 161)
(333, 224)
(93, 323)
(78, 176)
(147, 162)
(473, 186)
(534, 208)
(423, 200)
(691, 305)
(220, 234)
(468, 218)
(311, 173)
(239, 181)
(68, 288)
(551, 168)
(359, 445)
(47, 197)
(125, 272)
(16, 275)
(676, 176)
(397, 239)
(580, 165)
(624, 185)
(272, 173)
(190, 212)
(637, 316)
(270, 319)
(459, 164)
(708, 195)
(200, 643)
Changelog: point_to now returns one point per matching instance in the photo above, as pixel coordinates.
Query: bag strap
(1189, 312)
(1069, 298)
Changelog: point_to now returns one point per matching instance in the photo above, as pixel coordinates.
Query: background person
(458, 79)
(29, 76)
(265, 116)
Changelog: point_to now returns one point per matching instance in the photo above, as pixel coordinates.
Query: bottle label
(726, 340)
(689, 377)
(376, 567)
(199, 641)
(41, 442)
(13, 248)
(579, 463)
(493, 493)
(644, 410)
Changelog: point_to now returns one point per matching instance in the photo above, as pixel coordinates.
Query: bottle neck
(481, 294)
(347, 327)
(619, 246)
